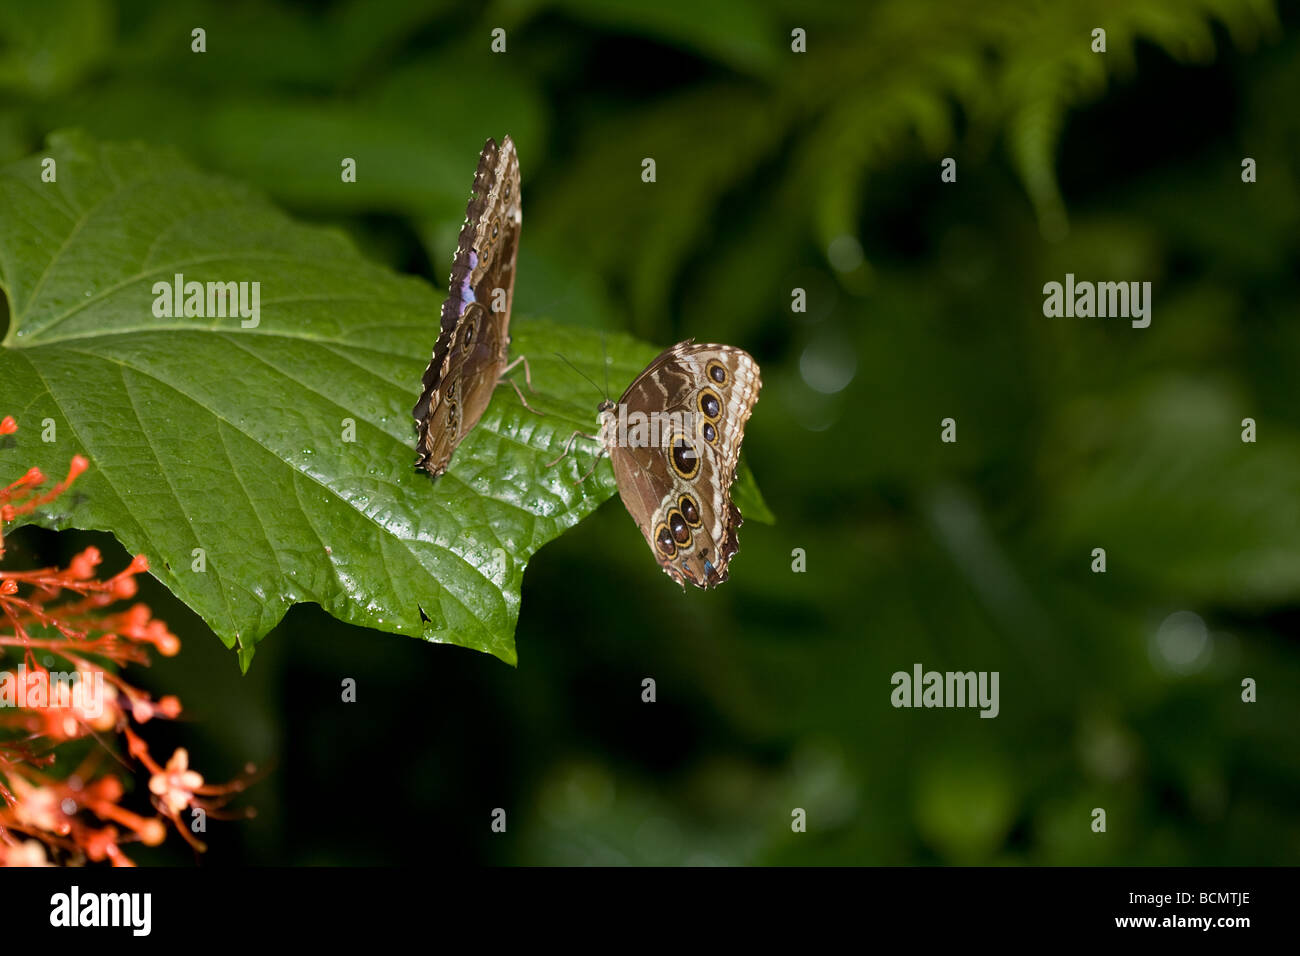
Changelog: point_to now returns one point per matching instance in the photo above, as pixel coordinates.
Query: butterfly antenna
(604, 363)
(576, 369)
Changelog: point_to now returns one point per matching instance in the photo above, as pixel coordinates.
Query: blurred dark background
(778, 170)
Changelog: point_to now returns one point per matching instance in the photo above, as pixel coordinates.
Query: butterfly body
(675, 474)
(472, 349)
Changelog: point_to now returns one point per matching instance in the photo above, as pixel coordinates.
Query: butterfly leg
(522, 400)
(528, 373)
(568, 446)
(594, 462)
(528, 380)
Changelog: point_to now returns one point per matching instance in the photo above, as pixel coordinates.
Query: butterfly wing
(678, 489)
(473, 339)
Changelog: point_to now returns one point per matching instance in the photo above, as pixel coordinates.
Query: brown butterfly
(470, 356)
(674, 441)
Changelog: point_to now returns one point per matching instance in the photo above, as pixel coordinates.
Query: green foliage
(1073, 434)
(882, 82)
(204, 434)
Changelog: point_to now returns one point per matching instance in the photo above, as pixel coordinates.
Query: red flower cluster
(50, 814)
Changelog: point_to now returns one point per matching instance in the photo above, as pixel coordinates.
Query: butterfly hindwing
(473, 340)
(678, 489)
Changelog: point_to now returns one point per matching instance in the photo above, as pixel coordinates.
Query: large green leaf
(204, 434)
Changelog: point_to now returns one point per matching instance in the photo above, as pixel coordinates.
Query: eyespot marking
(709, 404)
(690, 510)
(685, 460)
(677, 526)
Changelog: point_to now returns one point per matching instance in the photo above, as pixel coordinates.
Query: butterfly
(674, 441)
(470, 355)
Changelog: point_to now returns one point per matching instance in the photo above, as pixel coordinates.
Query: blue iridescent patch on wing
(466, 290)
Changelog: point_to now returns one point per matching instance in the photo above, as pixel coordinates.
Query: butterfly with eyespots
(677, 488)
